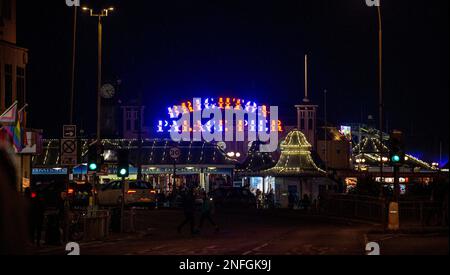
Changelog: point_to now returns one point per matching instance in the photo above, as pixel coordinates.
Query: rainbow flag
(15, 133)
(12, 121)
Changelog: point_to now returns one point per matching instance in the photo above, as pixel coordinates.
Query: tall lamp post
(380, 91)
(74, 45)
(100, 15)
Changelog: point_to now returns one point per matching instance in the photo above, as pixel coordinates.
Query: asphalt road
(254, 232)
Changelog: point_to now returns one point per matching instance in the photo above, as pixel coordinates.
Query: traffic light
(94, 158)
(397, 150)
(123, 164)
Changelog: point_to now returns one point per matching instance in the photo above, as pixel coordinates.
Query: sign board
(69, 131)
(69, 152)
(175, 153)
(49, 171)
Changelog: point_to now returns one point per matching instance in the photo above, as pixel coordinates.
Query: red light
(70, 191)
(33, 195)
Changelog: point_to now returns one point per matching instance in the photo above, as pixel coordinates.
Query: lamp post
(72, 84)
(380, 91)
(100, 15)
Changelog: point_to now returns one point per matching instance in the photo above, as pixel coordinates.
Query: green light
(93, 166)
(395, 158)
(123, 171)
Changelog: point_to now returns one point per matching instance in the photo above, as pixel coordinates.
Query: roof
(295, 159)
(332, 133)
(256, 161)
(369, 150)
(154, 152)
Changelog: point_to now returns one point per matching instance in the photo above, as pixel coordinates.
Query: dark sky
(173, 50)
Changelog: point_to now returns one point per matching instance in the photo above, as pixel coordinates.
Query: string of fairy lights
(295, 157)
(207, 151)
(368, 152)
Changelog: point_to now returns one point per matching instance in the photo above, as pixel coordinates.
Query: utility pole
(99, 77)
(122, 208)
(71, 116)
(74, 46)
(380, 93)
(326, 129)
(103, 13)
(139, 160)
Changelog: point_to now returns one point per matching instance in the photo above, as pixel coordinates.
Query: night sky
(173, 50)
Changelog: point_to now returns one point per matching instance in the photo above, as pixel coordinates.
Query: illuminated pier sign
(223, 104)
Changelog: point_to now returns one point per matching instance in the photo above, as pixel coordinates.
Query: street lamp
(100, 15)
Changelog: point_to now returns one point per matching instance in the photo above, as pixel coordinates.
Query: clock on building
(108, 91)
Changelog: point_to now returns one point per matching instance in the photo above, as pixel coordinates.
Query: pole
(306, 79)
(380, 92)
(139, 162)
(326, 136)
(174, 174)
(72, 87)
(72, 92)
(99, 76)
(122, 208)
(396, 184)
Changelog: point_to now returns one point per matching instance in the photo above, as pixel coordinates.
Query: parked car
(233, 197)
(136, 193)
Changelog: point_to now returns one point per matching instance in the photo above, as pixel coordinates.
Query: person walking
(306, 202)
(207, 211)
(188, 202)
(36, 216)
(13, 208)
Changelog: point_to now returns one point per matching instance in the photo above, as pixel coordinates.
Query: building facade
(334, 149)
(13, 67)
(13, 59)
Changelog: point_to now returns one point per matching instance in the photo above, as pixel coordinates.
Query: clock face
(108, 91)
(222, 145)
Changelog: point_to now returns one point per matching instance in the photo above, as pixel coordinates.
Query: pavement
(253, 232)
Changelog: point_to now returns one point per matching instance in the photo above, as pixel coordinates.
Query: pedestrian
(291, 200)
(207, 211)
(270, 199)
(306, 202)
(13, 210)
(259, 199)
(36, 216)
(188, 202)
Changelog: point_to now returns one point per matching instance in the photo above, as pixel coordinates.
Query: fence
(412, 213)
(355, 207)
(96, 225)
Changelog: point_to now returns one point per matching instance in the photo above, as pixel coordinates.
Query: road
(249, 232)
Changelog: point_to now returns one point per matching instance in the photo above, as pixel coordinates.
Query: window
(6, 9)
(136, 125)
(310, 124)
(140, 185)
(20, 86)
(302, 124)
(8, 86)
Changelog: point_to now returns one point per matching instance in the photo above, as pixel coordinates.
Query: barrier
(411, 213)
(96, 225)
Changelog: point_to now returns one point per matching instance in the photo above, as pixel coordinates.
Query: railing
(412, 213)
(423, 213)
(355, 207)
(95, 225)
